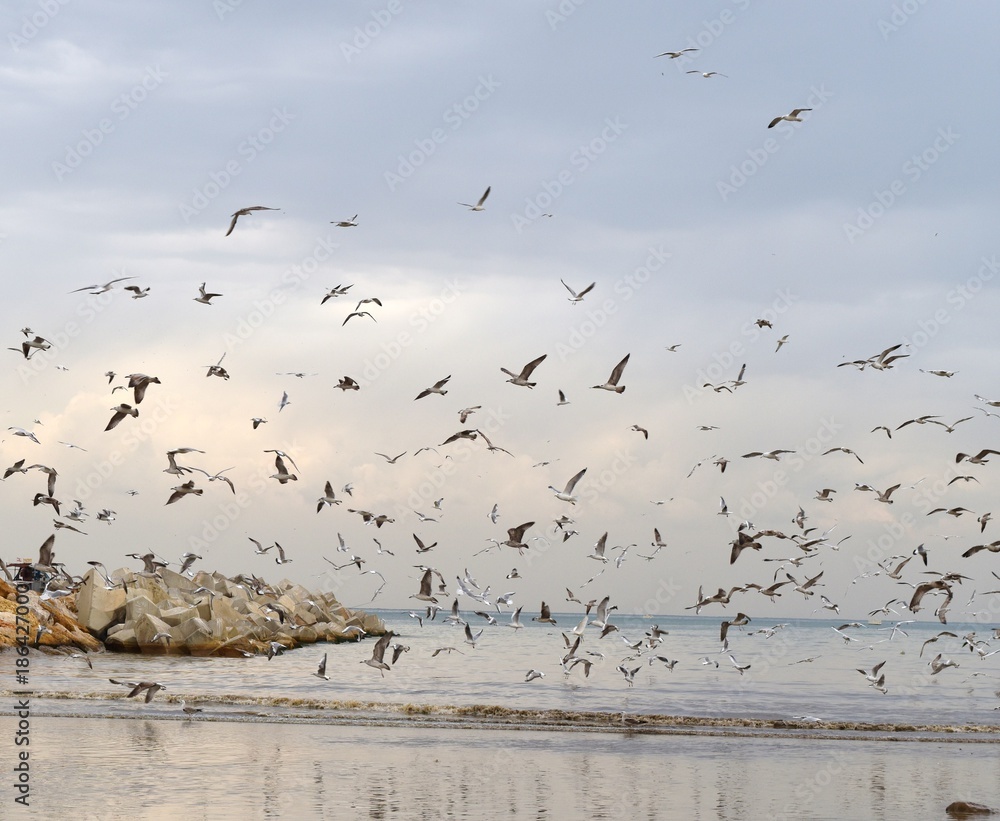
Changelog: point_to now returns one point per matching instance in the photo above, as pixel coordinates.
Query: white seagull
(479, 205)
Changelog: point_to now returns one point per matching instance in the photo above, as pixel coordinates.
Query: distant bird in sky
(333, 293)
(479, 205)
(791, 117)
(217, 369)
(566, 494)
(245, 212)
(673, 55)
(525, 374)
(435, 388)
(100, 288)
(204, 297)
(577, 296)
(612, 383)
(120, 412)
(349, 223)
(358, 313)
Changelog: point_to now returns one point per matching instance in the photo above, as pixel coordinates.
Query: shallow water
(158, 769)
(788, 739)
(775, 687)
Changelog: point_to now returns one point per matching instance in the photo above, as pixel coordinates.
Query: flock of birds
(801, 572)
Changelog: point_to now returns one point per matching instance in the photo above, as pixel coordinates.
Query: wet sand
(171, 767)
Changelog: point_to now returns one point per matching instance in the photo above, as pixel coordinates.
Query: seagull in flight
(245, 212)
(616, 374)
(479, 205)
(203, 297)
(577, 296)
(378, 653)
(335, 292)
(121, 411)
(791, 117)
(673, 55)
(151, 688)
(351, 223)
(101, 288)
(436, 388)
(566, 494)
(321, 670)
(525, 374)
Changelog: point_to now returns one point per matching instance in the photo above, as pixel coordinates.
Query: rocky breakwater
(212, 615)
(48, 622)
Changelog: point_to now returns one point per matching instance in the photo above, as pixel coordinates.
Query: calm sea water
(275, 741)
(778, 684)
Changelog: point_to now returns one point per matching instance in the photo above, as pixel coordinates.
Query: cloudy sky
(135, 131)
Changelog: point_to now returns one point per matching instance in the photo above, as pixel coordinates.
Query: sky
(134, 133)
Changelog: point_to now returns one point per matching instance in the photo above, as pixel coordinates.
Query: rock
(238, 616)
(147, 626)
(121, 638)
(175, 581)
(968, 809)
(97, 607)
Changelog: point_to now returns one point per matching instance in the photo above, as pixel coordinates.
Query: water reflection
(219, 770)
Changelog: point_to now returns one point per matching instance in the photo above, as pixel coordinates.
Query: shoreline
(495, 717)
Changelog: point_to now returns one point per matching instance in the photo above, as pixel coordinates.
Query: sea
(799, 732)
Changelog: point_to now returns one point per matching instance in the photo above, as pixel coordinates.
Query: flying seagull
(101, 288)
(566, 494)
(436, 388)
(792, 117)
(577, 296)
(616, 374)
(321, 670)
(151, 688)
(203, 297)
(673, 55)
(245, 212)
(525, 374)
(479, 205)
